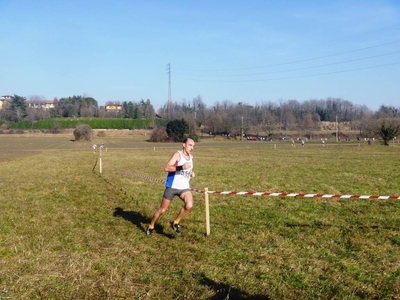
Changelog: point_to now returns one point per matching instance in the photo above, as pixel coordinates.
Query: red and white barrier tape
(305, 195)
(150, 178)
(138, 175)
(272, 194)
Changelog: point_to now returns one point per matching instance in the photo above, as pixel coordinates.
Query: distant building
(112, 106)
(40, 104)
(43, 104)
(4, 100)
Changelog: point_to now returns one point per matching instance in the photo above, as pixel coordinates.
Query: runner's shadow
(224, 291)
(138, 220)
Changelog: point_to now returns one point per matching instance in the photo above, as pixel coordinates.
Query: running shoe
(176, 228)
(149, 231)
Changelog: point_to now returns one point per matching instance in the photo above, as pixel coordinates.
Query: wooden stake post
(100, 162)
(207, 203)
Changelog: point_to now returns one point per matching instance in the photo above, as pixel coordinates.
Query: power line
(297, 69)
(301, 76)
(290, 62)
(348, 37)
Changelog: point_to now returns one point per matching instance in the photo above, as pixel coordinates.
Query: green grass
(70, 233)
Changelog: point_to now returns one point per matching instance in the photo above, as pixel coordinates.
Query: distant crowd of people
(293, 141)
(94, 147)
(324, 140)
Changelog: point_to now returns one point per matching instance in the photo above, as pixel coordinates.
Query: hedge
(94, 123)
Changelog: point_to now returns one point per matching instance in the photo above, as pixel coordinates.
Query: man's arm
(171, 164)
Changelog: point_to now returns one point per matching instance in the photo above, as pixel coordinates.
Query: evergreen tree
(176, 129)
(17, 110)
(388, 131)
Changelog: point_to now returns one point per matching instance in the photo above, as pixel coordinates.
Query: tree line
(221, 117)
(74, 106)
(270, 117)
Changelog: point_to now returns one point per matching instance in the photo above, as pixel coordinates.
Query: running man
(180, 171)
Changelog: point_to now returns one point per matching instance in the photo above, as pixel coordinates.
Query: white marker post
(100, 162)
(207, 203)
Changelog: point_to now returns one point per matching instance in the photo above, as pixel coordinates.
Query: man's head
(188, 145)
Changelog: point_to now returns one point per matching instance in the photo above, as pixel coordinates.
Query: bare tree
(199, 108)
(214, 123)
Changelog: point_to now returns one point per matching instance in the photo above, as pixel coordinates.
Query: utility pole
(336, 130)
(169, 103)
(241, 136)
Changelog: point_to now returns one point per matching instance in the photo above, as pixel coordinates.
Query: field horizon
(69, 232)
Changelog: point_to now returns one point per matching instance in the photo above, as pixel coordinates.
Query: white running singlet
(180, 179)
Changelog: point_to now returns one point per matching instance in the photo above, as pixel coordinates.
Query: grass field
(69, 232)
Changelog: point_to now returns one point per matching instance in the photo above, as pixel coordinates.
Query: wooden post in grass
(100, 162)
(207, 211)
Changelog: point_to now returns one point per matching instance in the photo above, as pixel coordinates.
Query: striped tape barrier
(150, 178)
(271, 194)
(138, 175)
(305, 195)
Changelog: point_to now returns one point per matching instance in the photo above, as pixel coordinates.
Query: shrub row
(94, 123)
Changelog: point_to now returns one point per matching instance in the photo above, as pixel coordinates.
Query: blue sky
(241, 51)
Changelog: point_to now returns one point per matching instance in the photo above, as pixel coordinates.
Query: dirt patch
(134, 133)
(344, 126)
